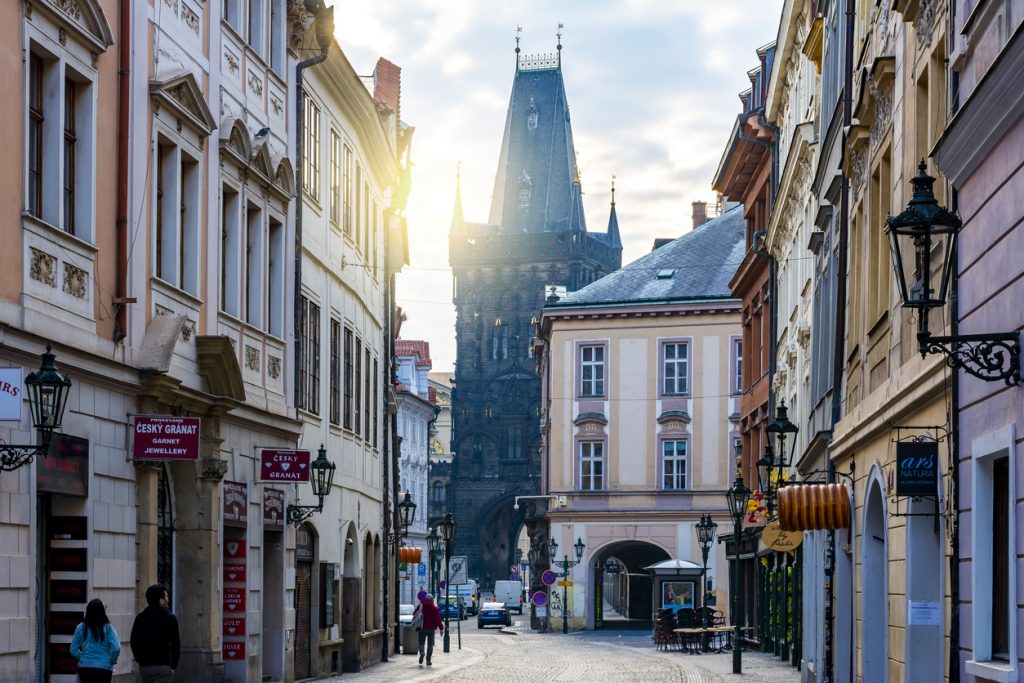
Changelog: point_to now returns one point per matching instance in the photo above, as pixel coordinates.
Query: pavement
(521, 655)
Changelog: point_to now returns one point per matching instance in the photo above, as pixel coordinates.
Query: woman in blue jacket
(95, 645)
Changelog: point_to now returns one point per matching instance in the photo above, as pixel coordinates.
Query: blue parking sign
(421, 569)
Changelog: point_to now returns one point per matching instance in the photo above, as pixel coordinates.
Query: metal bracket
(990, 357)
(12, 456)
(299, 513)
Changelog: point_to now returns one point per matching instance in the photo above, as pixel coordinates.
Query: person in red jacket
(431, 623)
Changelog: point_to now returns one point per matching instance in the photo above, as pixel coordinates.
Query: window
(438, 492)
(531, 118)
(675, 365)
(879, 268)
(357, 360)
(277, 46)
(311, 163)
(35, 135)
(256, 26)
(368, 379)
(177, 217)
(592, 371)
(252, 287)
(373, 244)
(70, 150)
(514, 447)
(230, 250)
(309, 368)
(335, 378)
(499, 342)
(349, 399)
(376, 400)
(233, 13)
(335, 177)
(358, 206)
(737, 364)
(591, 465)
(275, 269)
(1001, 595)
(673, 467)
(347, 182)
(366, 217)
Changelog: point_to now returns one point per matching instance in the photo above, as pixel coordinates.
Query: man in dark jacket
(155, 641)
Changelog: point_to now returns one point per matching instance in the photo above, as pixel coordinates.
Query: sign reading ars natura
(284, 465)
(164, 437)
(917, 468)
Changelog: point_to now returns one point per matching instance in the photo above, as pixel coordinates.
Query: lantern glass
(322, 473)
(706, 529)
(578, 545)
(447, 528)
(764, 472)
(47, 394)
(553, 546)
(408, 510)
(434, 541)
(737, 497)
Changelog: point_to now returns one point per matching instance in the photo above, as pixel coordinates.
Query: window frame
(311, 147)
(736, 365)
(663, 344)
(664, 459)
(581, 364)
(335, 372)
(583, 445)
(348, 378)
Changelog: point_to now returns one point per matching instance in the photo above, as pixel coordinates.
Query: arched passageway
(623, 589)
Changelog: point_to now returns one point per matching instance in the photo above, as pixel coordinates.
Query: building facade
(980, 153)
(536, 236)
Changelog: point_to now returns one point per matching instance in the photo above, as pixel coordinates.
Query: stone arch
(378, 611)
(367, 621)
(234, 136)
(497, 526)
(630, 592)
(874, 606)
(284, 174)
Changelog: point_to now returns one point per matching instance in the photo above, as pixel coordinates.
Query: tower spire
(559, 45)
(519, 31)
(612, 236)
(458, 222)
(613, 189)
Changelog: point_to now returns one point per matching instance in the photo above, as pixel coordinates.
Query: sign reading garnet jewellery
(282, 465)
(917, 468)
(165, 437)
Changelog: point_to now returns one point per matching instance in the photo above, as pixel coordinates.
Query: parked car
(493, 613)
(510, 593)
(453, 608)
(405, 613)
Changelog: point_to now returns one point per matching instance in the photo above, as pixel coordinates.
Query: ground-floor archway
(623, 590)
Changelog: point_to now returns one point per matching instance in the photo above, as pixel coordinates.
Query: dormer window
(531, 116)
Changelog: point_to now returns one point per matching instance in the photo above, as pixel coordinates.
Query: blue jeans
(428, 637)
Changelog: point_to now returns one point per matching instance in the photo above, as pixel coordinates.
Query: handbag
(417, 620)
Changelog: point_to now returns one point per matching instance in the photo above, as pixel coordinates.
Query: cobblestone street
(519, 655)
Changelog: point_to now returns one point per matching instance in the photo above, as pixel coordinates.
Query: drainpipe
(954, 474)
(324, 23)
(124, 58)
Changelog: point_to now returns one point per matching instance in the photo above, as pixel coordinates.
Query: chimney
(700, 214)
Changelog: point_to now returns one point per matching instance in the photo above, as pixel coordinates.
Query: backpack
(417, 618)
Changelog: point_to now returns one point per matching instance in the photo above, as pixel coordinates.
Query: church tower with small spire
(535, 238)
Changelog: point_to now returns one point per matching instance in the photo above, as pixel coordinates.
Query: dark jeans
(87, 675)
(428, 637)
(156, 674)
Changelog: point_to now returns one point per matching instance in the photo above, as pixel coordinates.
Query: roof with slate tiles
(694, 267)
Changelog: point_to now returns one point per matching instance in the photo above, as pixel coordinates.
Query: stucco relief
(187, 330)
(883, 112)
(925, 23)
(857, 167)
(69, 7)
(76, 281)
(276, 105)
(232, 62)
(252, 358)
(190, 19)
(43, 267)
(255, 84)
(299, 18)
(273, 367)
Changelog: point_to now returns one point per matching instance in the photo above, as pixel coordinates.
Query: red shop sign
(164, 437)
(273, 510)
(234, 573)
(236, 502)
(234, 599)
(234, 626)
(234, 652)
(234, 549)
(282, 465)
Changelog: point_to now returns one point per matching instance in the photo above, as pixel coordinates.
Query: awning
(802, 507)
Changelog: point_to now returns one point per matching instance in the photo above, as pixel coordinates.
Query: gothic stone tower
(536, 237)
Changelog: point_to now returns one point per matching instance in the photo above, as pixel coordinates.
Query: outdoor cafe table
(689, 633)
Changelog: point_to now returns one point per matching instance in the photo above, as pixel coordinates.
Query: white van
(467, 592)
(510, 593)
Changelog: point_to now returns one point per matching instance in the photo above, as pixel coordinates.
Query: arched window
(438, 492)
(165, 533)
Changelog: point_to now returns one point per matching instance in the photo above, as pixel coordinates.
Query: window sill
(587, 397)
(992, 671)
(176, 292)
(76, 245)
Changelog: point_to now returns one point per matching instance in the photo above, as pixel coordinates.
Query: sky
(652, 86)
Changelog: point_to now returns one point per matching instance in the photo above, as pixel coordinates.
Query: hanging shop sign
(236, 503)
(273, 510)
(917, 468)
(284, 465)
(11, 394)
(165, 437)
(65, 469)
(781, 541)
(802, 507)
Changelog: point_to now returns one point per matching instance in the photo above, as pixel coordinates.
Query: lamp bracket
(13, 456)
(299, 513)
(991, 357)
(395, 537)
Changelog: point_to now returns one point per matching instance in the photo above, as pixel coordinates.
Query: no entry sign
(165, 437)
(283, 465)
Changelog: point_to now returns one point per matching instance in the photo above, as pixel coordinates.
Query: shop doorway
(875, 600)
(305, 555)
(351, 602)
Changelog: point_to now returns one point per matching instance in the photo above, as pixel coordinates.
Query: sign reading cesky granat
(165, 437)
(283, 465)
(917, 468)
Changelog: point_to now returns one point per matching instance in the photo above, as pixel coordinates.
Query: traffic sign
(548, 577)
(540, 598)
(458, 570)
(514, 569)
(513, 576)
(565, 582)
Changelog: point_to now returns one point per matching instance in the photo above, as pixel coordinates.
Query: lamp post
(321, 475)
(447, 529)
(565, 564)
(919, 230)
(435, 545)
(47, 390)
(737, 497)
(781, 427)
(406, 515)
(706, 529)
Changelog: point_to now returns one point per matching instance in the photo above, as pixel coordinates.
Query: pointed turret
(458, 222)
(612, 236)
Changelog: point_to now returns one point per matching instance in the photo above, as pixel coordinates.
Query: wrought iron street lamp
(447, 529)
(406, 515)
(919, 230)
(321, 476)
(706, 529)
(737, 497)
(47, 390)
(781, 427)
(565, 564)
(435, 544)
